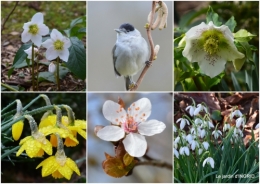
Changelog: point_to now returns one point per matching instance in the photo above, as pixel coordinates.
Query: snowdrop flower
(202, 133)
(226, 127)
(200, 151)
(236, 113)
(185, 150)
(174, 129)
(130, 126)
(199, 108)
(52, 67)
(176, 153)
(183, 122)
(189, 138)
(29, 52)
(216, 134)
(194, 144)
(206, 145)
(239, 121)
(211, 46)
(177, 140)
(210, 161)
(34, 30)
(57, 46)
(208, 124)
(198, 121)
(238, 132)
(191, 109)
(257, 126)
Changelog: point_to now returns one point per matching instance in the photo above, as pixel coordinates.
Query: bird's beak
(118, 30)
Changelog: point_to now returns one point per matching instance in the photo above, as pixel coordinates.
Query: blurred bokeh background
(103, 18)
(160, 145)
(24, 169)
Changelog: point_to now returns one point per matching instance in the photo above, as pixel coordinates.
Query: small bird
(130, 53)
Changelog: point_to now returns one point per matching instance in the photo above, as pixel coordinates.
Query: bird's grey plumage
(129, 53)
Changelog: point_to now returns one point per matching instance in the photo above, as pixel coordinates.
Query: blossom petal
(37, 40)
(151, 127)
(140, 110)
(64, 55)
(212, 65)
(26, 36)
(48, 43)
(43, 29)
(51, 53)
(111, 133)
(37, 18)
(135, 144)
(56, 35)
(113, 112)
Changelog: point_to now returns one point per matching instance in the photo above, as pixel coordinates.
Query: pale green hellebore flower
(211, 47)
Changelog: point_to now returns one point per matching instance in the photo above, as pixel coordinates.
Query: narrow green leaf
(235, 82)
(77, 58)
(248, 76)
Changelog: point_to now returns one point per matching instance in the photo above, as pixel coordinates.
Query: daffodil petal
(71, 164)
(65, 171)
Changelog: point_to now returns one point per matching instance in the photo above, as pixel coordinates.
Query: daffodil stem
(9, 105)
(58, 73)
(32, 66)
(35, 111)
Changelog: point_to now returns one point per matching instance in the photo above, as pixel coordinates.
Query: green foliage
(187, 75)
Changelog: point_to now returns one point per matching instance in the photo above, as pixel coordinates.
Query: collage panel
(43, 46)
(216, 137)
(43, 138)
(115, 47)
(129, 137)
(216, 46)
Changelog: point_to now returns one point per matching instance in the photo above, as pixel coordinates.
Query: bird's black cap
(128, 27)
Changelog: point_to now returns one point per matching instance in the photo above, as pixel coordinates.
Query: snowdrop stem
(33, 87)
(58, 73)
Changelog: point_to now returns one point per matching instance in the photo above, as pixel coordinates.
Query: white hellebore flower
(52, 67)
(130, 125)
(210, 161)
(57, 46)
(29, 52)
(34, 30)
(211, 47)
(183, 122)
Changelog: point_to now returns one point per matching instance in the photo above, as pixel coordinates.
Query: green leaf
(77, 58)
(235, 82)
(189, 85)
(247, 50)
(51, 76)
(21, 55)
(238, 63)
(249, 82)
(243, 36)
(231, 24)
(78, 20)
(216, 115)
(212, 16)
(127, 159)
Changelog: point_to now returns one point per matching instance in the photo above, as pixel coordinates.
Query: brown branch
(3, 25)
(150, 39)
(155, 163)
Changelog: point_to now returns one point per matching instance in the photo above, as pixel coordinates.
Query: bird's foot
(148, 63)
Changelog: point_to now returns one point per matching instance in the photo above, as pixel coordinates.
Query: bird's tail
(128, 82)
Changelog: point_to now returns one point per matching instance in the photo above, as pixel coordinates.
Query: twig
(155, 163)
(150, 39)
(3, 25)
